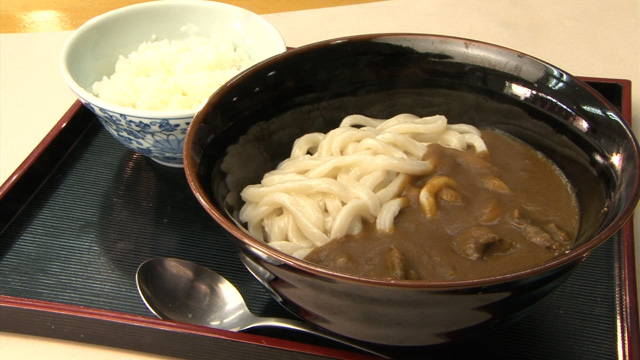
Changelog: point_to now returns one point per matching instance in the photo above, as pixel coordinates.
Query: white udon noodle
(332, 183)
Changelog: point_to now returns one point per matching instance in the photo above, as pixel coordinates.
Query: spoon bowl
(180, 290)
(184, 291)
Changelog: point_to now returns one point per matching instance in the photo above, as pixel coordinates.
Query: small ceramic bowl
(94, 48)
(314, 87)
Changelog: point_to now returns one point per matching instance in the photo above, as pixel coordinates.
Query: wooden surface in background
(20, 16)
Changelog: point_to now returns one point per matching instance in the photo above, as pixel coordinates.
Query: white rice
(172, 74)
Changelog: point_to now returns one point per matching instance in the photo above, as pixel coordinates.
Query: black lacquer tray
(82, 212)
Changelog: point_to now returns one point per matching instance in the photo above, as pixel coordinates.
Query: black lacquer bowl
(313, 87)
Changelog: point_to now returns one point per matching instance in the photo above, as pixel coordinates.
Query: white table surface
(586, 38)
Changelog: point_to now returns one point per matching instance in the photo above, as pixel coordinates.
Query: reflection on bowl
(312, 88)
(93, 49)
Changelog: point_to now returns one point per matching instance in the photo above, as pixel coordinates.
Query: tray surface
(78, 234)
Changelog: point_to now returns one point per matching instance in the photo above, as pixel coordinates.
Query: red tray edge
(74, 333)
(42, 145)
(629, 324)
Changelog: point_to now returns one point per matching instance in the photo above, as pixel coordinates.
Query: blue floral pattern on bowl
(160, 139)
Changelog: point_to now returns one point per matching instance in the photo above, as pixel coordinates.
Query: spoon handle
(309, 329)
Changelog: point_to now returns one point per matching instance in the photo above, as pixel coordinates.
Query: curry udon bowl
(312, 88)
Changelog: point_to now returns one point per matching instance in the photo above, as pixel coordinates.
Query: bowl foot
(170, 164)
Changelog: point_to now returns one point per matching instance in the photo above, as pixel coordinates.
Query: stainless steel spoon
(180, 290)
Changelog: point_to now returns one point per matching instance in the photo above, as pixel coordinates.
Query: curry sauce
(483, 215)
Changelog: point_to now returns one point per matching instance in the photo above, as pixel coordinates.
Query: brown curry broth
(538, 190)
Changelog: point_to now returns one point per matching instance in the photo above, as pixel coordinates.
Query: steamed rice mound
(172, 74)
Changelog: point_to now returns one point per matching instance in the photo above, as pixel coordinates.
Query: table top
(586, 38)
(17, 16)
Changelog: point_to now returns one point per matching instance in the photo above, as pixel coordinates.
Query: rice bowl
(92, 51)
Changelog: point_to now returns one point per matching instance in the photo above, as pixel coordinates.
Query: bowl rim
(575, 255)
(88, 97)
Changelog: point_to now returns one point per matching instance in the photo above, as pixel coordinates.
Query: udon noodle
(332, 183)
